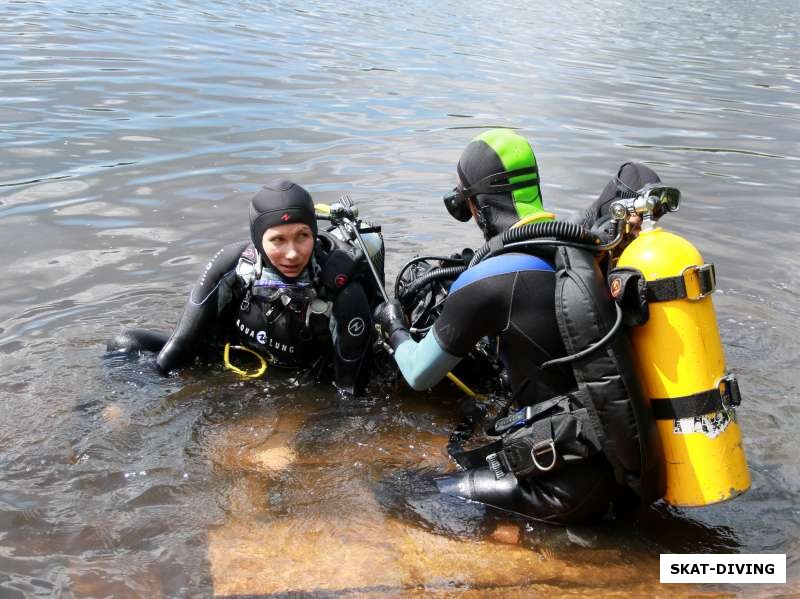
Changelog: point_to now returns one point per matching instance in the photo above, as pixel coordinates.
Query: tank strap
(694, 283)
(724, 397)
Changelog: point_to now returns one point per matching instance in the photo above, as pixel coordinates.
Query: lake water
(131, 139)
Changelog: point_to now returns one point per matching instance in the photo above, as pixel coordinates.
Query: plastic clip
(495, 466)
(729, 392)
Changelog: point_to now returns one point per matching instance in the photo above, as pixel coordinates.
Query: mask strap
(489, 184)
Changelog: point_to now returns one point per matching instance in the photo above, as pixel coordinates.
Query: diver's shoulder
(500, 265)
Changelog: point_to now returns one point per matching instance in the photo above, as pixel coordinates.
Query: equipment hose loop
(448, 272)
(250, 375)
(559, 230)
(537, 233)
(593, 347)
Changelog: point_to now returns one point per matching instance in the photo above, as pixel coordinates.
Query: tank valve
(651, 202)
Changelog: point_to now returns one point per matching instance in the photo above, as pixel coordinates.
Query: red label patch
(340, 280)
(286, 216)
(616, 287)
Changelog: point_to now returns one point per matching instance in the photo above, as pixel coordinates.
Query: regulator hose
(559, 230)
(398, 282)
(538, 233)
(447, 272)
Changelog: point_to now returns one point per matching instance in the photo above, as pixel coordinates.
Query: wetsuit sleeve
(201, 310)
(352, 318)
(425, 363)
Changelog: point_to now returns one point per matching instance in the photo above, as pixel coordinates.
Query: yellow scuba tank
(681, 366)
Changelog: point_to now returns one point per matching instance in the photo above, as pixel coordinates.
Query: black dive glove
(390, 317)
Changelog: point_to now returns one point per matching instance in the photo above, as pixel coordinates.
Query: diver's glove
(390, 317)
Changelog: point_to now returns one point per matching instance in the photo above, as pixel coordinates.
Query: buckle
(729, 393)
(540, 449)
(495, 466)
(705, 282)
(515, 420)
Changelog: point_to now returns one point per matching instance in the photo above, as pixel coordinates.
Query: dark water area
(131, 139)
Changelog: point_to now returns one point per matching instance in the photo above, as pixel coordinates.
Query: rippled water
(131, 138)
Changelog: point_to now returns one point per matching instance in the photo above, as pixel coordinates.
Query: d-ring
(539, 449)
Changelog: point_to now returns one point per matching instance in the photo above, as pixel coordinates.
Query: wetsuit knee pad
(353, 318)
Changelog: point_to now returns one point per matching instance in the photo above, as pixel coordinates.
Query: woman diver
(295, 297)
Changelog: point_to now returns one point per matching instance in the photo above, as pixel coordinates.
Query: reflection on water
(132, 138)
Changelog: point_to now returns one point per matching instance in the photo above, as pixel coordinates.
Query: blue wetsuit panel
(500, 265)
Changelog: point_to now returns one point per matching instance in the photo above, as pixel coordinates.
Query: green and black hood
(488, 167)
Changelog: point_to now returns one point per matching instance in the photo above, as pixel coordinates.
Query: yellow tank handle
(250, 375)
(532, 218)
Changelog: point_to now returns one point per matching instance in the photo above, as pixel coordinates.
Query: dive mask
(456, 201)
(457, 206)
(294, 295)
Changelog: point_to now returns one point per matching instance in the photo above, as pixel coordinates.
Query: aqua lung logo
(248, 332)
(261, 337)
(356, 326)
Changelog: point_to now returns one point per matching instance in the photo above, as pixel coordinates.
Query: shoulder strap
(607, 385)
(249, 266)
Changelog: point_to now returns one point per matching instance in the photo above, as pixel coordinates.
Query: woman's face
(288, 247)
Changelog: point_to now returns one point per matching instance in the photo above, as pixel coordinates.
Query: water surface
(131, 139)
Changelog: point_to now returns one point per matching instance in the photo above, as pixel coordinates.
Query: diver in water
(295, 297)
(577, 440)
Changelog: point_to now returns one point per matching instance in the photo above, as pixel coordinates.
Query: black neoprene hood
(280, 202)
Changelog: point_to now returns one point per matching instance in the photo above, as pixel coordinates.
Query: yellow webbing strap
(250, 375)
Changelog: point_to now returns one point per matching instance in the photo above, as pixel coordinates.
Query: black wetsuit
(297, 324)
(510, 298)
